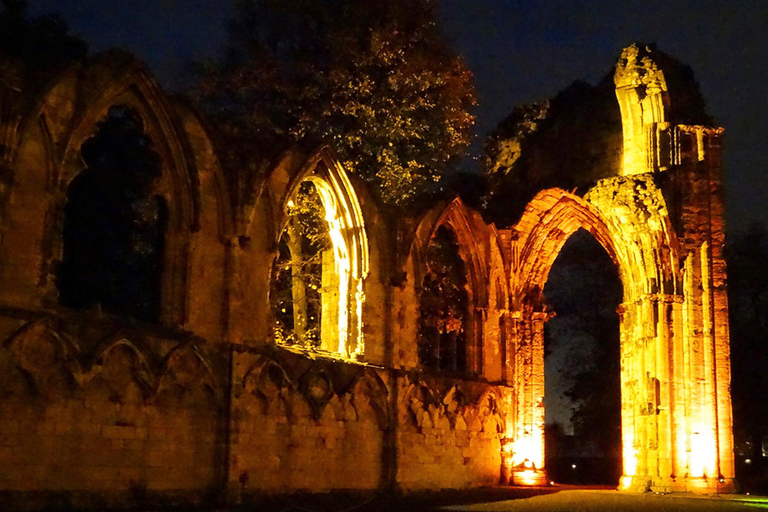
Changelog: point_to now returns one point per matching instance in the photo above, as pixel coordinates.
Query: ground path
(571, 500)
(559, 498)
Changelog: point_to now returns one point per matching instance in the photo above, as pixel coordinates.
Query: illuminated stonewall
(232, 394)
(675, 367)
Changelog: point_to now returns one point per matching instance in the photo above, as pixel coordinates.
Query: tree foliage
(375, 79)
(298, 271)
(114, 223)
(41, 44)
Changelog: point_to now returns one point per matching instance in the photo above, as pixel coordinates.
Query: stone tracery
(332, 230)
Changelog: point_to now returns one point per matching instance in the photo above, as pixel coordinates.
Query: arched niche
(339, 262)
(213, 228)
(114, 223)
(496, 335)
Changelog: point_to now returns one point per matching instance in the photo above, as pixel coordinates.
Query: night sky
(520, 52)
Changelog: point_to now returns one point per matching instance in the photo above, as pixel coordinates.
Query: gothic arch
(475, 249)
(549, 220)
(189, 377)
(347, 232)
(137, 91)
(88, 91)
(48, 359)
(469, 230)
(661, 414)
(368, 385)
(144, 361)
(111, 373)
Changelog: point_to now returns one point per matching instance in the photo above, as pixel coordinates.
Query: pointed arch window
(444, 305)
(316, 290)
(114, 223)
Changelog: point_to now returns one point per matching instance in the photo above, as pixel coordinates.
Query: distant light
(573, 466)
(747, 461)
(551, 482)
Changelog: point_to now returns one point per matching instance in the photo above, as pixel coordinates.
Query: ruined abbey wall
(101, 410)
(97, 409)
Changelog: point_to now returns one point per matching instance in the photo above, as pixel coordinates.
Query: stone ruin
(208, 390)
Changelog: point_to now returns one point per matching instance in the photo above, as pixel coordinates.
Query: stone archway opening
(582, 399)
(550, 220)
(670, 438)
(304, 286)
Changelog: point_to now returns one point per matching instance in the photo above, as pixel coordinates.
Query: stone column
(647, 338)
(526, 459)
(710, 462)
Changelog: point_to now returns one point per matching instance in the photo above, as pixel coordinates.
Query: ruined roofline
(651, 71)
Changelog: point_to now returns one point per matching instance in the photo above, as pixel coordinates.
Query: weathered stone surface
(103, 410)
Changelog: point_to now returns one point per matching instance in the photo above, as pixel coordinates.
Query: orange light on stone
(676, 416)
(527, 477)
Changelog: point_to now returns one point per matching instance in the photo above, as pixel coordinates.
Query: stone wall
(100, 410)
(95, 413)
(309, 426)
(112, 419)
(448, 433)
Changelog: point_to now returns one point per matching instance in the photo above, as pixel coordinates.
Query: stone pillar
(475, 363)
(329, 303)
(692, 448)
(647, 337)
(709, 465)
(641, 91)
(526, 432)
(719, 304)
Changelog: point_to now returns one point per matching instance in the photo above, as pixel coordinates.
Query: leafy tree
(114, 223)
(375, 79)
(298, 272)
(443, 303)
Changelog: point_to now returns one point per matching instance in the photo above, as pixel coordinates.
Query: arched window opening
(316, 290)
(582, 365)
(114, 223)
(443, 306)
